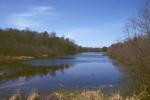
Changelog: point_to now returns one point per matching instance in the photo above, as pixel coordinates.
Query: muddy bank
(13, 58)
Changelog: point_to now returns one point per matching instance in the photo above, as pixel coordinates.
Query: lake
(83, 70)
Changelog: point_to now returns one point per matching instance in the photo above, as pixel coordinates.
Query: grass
(65, 94)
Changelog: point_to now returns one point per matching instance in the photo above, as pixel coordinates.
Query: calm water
(78, 71)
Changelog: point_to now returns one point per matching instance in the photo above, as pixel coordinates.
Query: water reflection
(78, 71)
(9, 72)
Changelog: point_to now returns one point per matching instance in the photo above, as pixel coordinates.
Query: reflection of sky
(85, 70)
(81, 58)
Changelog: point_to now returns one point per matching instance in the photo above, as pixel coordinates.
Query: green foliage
(104, 49)
(31, 43)
(89, 49)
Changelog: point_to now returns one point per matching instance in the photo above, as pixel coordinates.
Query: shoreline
(22, 57)
(13, 58)
(65, 94)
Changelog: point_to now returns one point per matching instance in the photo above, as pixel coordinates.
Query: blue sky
(91, 23)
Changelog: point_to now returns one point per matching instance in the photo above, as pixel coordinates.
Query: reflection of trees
(16, 70)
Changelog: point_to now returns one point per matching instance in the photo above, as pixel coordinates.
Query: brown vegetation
(76, 95)
(6, 58)
(134, 52)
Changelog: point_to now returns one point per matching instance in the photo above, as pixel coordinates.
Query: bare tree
(143, 19)
(140, 24)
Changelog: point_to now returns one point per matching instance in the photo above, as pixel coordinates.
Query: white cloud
(43, 8)
(76, 33)
(95, 36)
(33, 17)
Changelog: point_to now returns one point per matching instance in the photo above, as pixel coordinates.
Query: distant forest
(31, 43)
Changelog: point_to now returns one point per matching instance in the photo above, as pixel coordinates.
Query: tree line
(14, 42)
(93, 49)
(134, 51)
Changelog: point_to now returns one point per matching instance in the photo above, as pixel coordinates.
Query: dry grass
(76, 95)
(6, 58)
